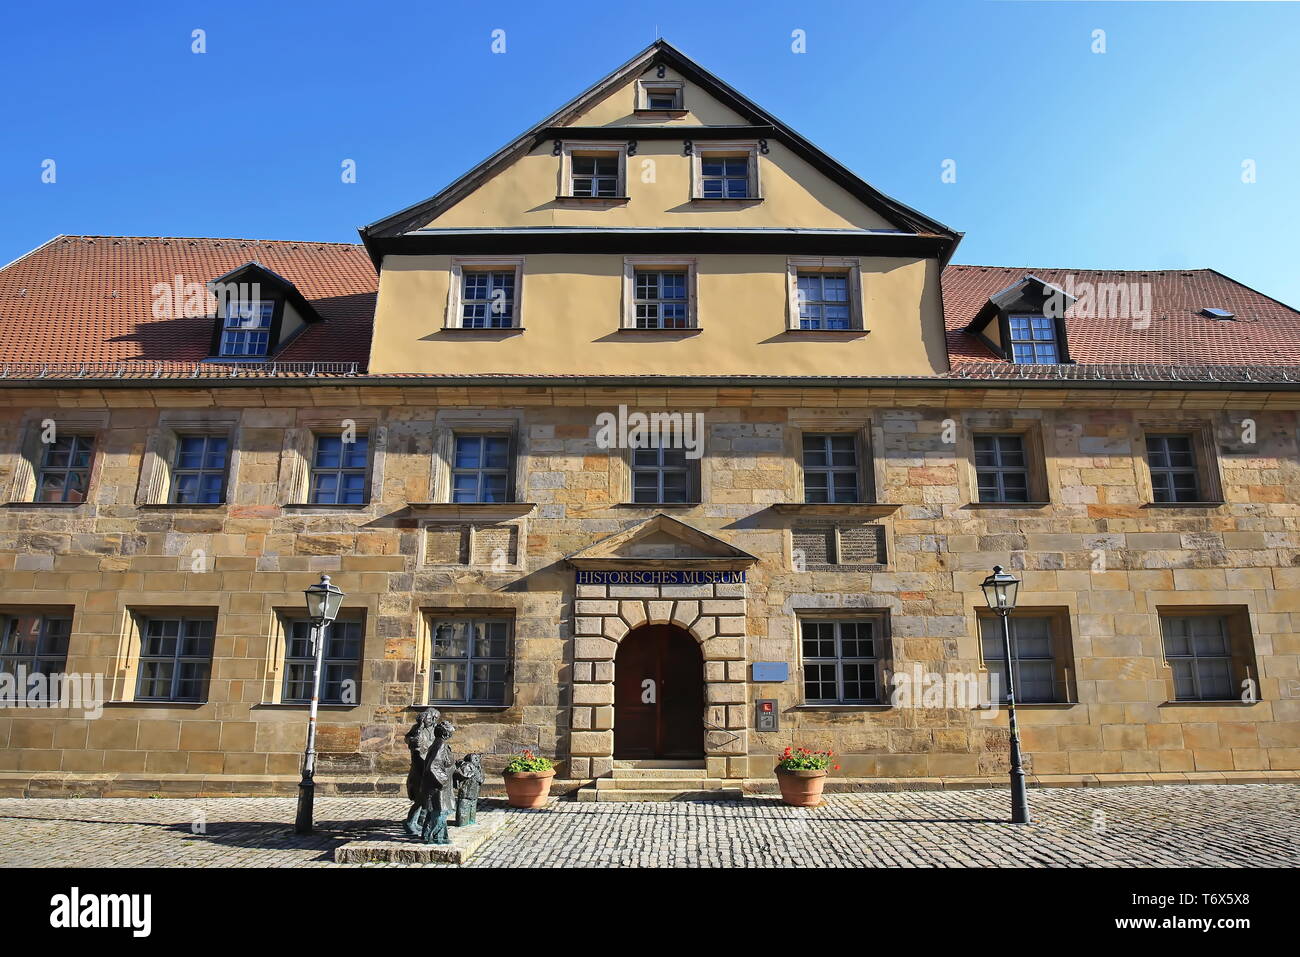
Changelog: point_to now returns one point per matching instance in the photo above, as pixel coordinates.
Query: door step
(660, 781)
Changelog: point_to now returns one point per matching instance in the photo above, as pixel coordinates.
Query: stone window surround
(426, 617)
(1241, 644)
(448, 422)
(1209, 471)
(456, 287)
(1063, 667)
(642, 99)
(583, 147)
(123, 673)
(748, 148)
(851, 264)
(713, 614)
(699, 471)
(1043, 484)
(160, 450)
(273, 673)
(27, 457)
(870, 467)
(300, 447)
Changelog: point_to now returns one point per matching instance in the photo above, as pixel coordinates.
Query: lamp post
(323, 601)
(1000, 593)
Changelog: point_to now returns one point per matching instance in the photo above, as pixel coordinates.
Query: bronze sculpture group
(436, 783)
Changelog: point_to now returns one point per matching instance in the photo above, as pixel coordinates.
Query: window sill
(837, 333)
(176, 505)
(45, 504)
(1033, 704)
(726, 200)
(295, 706)
(1210, 702)
(482, 329)
(594, 200)
(652, 505)
(191, 705)
(687, 331)
(842, 707)
(1008, 504)
(328, 505)
(474, 509)
(1183, 504)
(660, 114)
(459, 707)
(834, 508)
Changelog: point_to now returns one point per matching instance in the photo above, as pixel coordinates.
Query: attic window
(1217, 313)
(246, 329)
(1033, 340)
(659, 96)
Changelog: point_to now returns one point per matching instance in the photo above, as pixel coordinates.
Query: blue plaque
(771, 671)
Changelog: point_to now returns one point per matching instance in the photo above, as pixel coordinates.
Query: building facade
(659, 437)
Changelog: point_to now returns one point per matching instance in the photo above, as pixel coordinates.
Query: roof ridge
(1086, 269)
(211, 239)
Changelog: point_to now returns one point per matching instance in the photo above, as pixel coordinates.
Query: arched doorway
(658, 694)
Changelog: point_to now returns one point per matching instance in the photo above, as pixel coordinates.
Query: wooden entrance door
(658, 695)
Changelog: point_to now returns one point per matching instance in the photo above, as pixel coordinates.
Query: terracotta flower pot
(801, 788)
(528, 788)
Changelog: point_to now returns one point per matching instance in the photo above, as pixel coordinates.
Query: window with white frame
(32, 644)
(721, 171)
(338, 470)
(1199, 651)
(246, 328)
(1034, 663)
(831, 472)
(660, 95)
(469, 661)
(841, 661)
(340, 667)
(199, 469)
(1033, 340)
(825, 294)
(662, 299)
(661, 475)
(175, 659)
(485, 293)
(594, 170)
(480, 468)
(64, 473)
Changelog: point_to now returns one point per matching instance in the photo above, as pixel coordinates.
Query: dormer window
(246, 329)
(1033, 340)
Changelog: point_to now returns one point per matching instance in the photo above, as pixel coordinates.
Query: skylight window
(1217, 313)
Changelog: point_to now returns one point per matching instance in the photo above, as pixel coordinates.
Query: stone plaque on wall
(830, 546)
(495, 544)
(446, 544)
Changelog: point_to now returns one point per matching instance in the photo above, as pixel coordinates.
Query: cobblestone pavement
(1245, 825)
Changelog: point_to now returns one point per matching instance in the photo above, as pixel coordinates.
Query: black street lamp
(323, 601)
(1000, 592)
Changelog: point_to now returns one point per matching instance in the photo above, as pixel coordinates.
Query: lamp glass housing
(1000, 590)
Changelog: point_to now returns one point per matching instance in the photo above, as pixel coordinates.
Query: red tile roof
(90, 298)
(1264, 332)
(84, 305)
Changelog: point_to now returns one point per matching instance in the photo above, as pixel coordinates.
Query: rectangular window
(340, 667)
(1035, 666)
(660, 475)
(488, 299)
(33, 644)
(662, 300)
(246, 329)
(824, 300)
(338, 470)
(175, 659)
(1033, 340)
(840, 662)
(1199, 651)
(594, 174)
(724, 176)
(830, 468)
(1001, 468)
(65, 469)
(199, 471)
(470, 659)
(1174, 475)
(480, 469)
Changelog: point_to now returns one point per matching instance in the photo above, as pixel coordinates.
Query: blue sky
(1130, 158)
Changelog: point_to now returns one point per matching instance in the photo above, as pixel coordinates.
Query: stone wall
(1098, 555)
